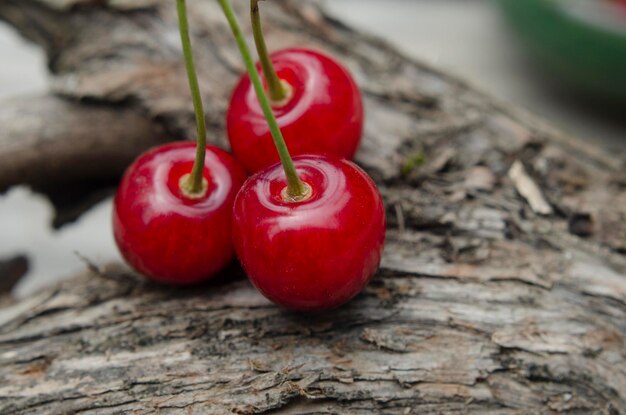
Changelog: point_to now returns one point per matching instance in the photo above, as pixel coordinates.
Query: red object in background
(621, 3)
(323, 116)
(166, 235)
(315, 254)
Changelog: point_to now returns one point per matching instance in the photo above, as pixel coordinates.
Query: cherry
(309, 234)
(319, 252)
(168, 235)
(315, 100)
(173, 208)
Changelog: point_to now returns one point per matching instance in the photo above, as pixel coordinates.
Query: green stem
(195, 183)
(276, 89)
(296, 189)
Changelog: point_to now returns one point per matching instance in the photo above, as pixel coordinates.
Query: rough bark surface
(501, 291)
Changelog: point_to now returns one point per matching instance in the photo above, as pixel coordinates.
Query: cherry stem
(195, 182)
(277, 90)
(296, 189)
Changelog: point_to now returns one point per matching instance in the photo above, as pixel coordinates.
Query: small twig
(400, 217)
(91, 265)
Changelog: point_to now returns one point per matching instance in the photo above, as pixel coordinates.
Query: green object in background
(581, 42)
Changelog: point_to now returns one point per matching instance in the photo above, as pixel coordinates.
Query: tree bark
(47, 140)
(502, 286)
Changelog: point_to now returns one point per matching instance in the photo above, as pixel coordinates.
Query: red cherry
(166, 235)
(314, 254)
(324, 114)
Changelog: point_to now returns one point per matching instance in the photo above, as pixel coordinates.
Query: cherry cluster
(308, 230)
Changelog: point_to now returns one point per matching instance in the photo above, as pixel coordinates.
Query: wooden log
(502, 286)
(48, 141)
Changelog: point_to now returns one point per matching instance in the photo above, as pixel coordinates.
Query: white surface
(22, 65)
(25, 219)
(465, 37)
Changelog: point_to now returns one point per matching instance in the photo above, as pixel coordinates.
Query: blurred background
(562, 60)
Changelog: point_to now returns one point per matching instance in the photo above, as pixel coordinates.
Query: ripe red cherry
(166, 235)
(314, 254)
(324, 114)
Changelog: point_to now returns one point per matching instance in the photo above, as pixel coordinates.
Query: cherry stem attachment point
(296, 189)
(279, 92)
(195, 183)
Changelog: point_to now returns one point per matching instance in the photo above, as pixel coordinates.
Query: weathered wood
(47, 141)
(482, 305)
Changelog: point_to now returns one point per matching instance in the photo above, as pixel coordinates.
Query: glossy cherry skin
(323, 116)
(166, 235)
(315, 254)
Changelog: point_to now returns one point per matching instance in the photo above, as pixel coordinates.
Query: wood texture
(502, 287)
(48, 141)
